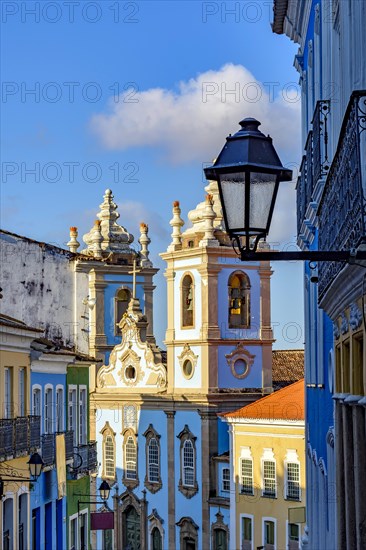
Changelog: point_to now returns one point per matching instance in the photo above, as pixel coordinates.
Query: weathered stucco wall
(38, 283)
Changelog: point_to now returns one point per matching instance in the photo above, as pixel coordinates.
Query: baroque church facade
(161, 446)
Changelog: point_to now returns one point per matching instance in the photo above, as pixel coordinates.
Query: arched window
(48, 410)
(131, 458)
(153, 478)
(239, 300)
(156, 539)
(122, 300)
(188, 464)
(187, 301)
(109, 452)
(153, 457)
(188, 483)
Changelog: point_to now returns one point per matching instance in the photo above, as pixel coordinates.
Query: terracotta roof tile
(285, 404)
(287, 367)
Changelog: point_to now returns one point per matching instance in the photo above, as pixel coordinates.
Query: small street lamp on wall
(35, 464)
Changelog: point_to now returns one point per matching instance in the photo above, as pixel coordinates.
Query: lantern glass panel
(233, 192)
(262, 187)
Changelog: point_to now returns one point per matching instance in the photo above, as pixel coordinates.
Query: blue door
(36, 529)
(48, 527)
(59, 524)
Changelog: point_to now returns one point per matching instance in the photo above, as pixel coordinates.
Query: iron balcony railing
(314, 163)
(300, 195)
(19, 436)
(48, 449)
(342, 212)
(320, 140)
(69, 444)
(87, 457)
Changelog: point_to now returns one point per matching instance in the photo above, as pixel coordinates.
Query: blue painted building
(48, 400)
(331, 216)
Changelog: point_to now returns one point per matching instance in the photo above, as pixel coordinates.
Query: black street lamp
(248, 172)
(35, 464)
(104, 490)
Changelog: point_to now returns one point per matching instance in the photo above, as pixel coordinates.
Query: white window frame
(37, 388)
(21, 390)
(60, 418)
(190, 468)
(8, 392)
(83, 425)
(251, 517)
(72, 425)
(264, 519)
(106, 475)
(150, 463)
(245, 454)
(288, 534)
(292, 458)
(135, 477)
(224, 469)
(287, 462)
(48, 410)
(74, 517)
(268, 456)
(84, 513)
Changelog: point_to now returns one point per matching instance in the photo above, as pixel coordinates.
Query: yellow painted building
(267, 471)
(18, 430)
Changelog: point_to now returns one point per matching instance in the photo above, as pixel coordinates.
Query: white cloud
(191, 123)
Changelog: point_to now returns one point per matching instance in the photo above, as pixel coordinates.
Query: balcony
(87, 459)
(314, 165)
(19, 436)
(48, 449)
(69, 444)
(342, 213)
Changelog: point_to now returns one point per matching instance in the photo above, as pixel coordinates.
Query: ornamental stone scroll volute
(240, 361)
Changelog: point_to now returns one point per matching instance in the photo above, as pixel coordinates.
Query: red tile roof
(285, 404)
(287, 367)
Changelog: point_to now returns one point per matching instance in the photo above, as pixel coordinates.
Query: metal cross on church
(134, 273)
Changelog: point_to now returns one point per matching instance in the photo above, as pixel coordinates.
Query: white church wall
(180, 381)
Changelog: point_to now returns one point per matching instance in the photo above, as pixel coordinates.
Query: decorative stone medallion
(240, 361)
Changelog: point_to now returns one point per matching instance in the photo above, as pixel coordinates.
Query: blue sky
(138, 97)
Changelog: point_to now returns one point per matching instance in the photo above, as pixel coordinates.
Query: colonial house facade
(267, 471)
(331, 216)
